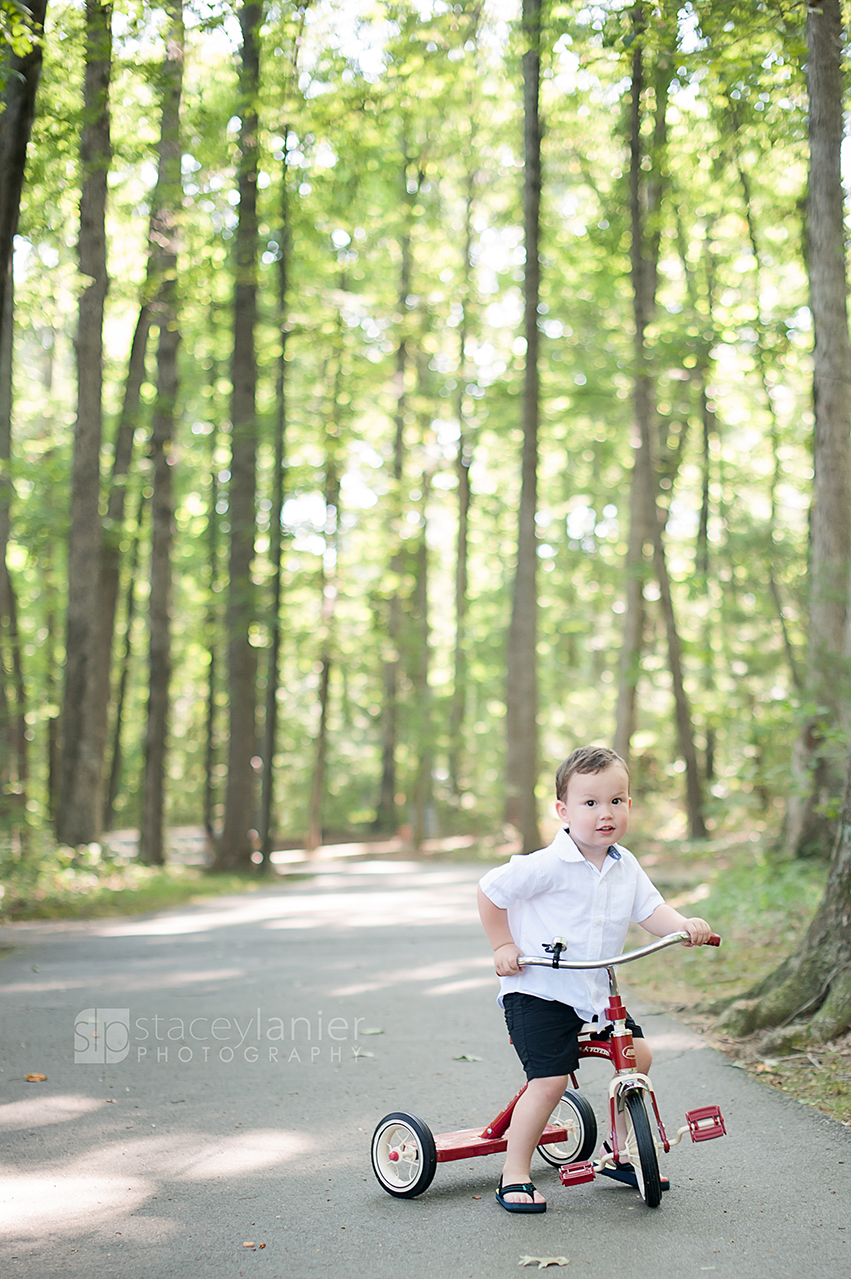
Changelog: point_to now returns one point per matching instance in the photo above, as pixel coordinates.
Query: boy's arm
(495, 923)
(666, 920)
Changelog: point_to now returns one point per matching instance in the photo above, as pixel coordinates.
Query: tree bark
(386, 817)
(276, 545)
(522, 681)
(22, 77)
(463, 462)
(117, 754)
(809, 825)
(328, 585)
(642, 488)
(421, 675)
(80, 800)
(237, 840)
(164, 311)
(814, 984)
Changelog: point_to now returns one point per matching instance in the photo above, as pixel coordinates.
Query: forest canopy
(296, 398)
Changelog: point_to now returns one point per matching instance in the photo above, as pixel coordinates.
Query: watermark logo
(104, 1036)
(101, 1035)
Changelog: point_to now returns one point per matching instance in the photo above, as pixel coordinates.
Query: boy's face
(596, 808)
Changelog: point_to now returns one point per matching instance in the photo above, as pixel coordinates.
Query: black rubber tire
(575, 1113)
(646, 1165)
(410, 1140)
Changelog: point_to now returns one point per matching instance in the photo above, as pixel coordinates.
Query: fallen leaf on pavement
(543, 1262)
(36, 1079)
(467, 1057)
(249, 1245)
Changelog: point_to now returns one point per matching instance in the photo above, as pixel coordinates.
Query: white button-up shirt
(556, 892)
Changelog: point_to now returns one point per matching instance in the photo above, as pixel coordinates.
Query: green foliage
(399, 117)
(90, 883)
(16, 31)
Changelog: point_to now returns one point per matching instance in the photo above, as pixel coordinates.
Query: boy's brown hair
(585, 759)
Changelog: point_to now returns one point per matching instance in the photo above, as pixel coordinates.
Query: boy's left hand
(698, 930)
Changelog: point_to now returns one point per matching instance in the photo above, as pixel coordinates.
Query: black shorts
(545, 1034)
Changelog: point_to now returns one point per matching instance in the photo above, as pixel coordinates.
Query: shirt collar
(568, 852)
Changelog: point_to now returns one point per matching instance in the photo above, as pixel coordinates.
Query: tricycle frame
(405, 1155)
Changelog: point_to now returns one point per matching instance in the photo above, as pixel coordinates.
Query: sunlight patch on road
(246, 1153)
(58, 1203)
(38, 1112)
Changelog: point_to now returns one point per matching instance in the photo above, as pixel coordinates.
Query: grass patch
(761, 906)
(86, 883)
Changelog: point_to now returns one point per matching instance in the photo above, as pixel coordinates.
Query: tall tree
(522, 673)
(463, 462)
(647, 521)
(164, 311)
(386, 818)
(236, 843)
(80, 803)
(270, 721)
(809, 821)
(22, 70)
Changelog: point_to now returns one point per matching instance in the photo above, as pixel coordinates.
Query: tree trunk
(110, 576)
(386, 817)
(164, 311)
(643, 487)
(212, 630)
(13, 742)
(22, 75)
(463, 462)
(522, 681)
(424, 747)
(276, 546)
(809, 827)
(80, 801)
(237, 840)
(328, 584)
(16, 117)
(814, 983)
(117, 759)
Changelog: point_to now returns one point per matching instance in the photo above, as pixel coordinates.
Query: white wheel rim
(397, 1155)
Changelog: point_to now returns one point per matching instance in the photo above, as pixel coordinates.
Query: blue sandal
(525, 1188)
(625, 1173)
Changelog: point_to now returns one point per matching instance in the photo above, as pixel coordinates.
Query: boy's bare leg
(527, 1123)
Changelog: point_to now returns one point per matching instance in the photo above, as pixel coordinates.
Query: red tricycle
(405, 1153)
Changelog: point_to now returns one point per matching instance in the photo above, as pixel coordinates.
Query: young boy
(584, 887)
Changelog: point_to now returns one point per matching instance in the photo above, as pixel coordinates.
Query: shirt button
(597, 923)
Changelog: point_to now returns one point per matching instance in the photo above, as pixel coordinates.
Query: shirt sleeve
(522, 877)
(647, 897)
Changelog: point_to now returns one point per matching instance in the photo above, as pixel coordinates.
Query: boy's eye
(590, 802)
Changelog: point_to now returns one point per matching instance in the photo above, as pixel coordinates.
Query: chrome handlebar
(557, 962)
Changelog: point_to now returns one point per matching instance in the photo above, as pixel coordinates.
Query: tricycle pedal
(705, 1123)
(576, 1174)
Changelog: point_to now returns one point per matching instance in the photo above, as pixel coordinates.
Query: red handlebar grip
(714, 940)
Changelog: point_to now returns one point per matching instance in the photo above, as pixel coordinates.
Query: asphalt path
(246, 1049)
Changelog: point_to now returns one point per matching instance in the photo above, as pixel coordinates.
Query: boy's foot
(625, 1173)
(523, 1205)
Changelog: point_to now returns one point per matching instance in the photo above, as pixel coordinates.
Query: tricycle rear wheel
(574, 1113)
(404, 1157)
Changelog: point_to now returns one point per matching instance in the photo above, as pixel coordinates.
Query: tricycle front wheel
(641, 1149)
(404, 1158)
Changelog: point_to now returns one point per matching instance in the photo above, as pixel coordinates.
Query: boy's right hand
(505, 959)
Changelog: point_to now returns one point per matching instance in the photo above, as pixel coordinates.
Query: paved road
(206, 1135)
